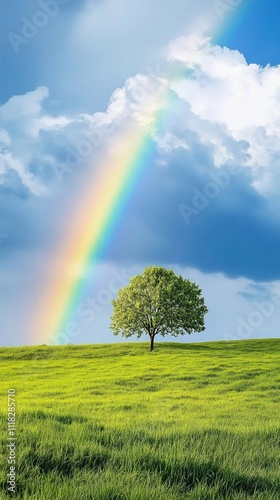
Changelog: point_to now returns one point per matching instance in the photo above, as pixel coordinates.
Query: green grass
(116, 422)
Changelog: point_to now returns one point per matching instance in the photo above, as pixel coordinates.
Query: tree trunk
(152, 337)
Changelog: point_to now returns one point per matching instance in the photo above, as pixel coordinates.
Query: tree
(158, 302)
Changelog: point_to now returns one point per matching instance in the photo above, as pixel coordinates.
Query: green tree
(158, 302)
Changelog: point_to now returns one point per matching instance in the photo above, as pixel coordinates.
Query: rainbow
(103, 201)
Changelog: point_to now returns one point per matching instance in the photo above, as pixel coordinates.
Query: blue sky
(207, 205)
(254, 31)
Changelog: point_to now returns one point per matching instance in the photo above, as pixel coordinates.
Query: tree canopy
(158, 302)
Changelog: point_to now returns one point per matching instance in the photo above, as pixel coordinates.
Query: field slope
(116, 422)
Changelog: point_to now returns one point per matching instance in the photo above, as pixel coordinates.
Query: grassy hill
(116, 422)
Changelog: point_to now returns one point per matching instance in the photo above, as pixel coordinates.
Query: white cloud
(232, 106)
(8, 162)
(52, 123)
(34, 137)
(26, 115)
(222, 88)
(22, 106)
(23, 118)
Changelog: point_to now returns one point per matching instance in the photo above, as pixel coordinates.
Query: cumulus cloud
(188, 207)
(23, 118)
(243, 98)
(232, 106)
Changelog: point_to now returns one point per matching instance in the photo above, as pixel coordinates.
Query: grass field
(116, 422)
